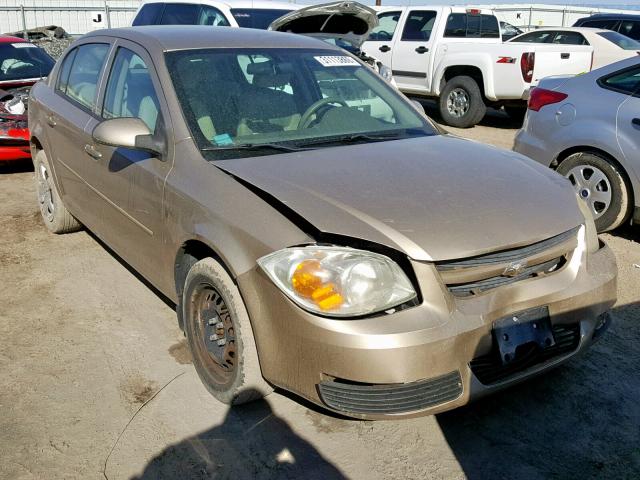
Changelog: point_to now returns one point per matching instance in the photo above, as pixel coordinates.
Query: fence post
(530, 18)
(24, 23)
(564, 11)
(107, 13)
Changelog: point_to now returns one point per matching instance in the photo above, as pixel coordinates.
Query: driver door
(380, 42)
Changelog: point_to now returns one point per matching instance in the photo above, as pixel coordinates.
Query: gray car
(588, 129)
(316, 231)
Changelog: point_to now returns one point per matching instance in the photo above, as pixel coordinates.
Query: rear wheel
(56, 217)
(461, 104)
(602, 185)
(220, 336)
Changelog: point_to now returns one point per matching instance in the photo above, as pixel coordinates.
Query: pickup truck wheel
(461, 103)
(601, 184)
(56, 217)
(220, 336)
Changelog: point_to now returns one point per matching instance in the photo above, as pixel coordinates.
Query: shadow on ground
(579, 421)
(494, 118)
(252, 442)
(18, 166)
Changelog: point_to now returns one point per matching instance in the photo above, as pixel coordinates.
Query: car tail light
(527, 62)
(541, 97)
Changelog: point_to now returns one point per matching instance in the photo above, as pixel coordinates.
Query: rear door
(413, 50)
(380, 42)
(131, 181)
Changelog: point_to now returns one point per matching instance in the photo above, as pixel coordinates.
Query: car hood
(434, 198)
(348, 22)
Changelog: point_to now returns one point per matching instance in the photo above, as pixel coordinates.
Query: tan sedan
(316, 231)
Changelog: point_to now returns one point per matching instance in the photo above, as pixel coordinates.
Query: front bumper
(422, 352)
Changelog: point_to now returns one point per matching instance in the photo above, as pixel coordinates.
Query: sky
(621, 4)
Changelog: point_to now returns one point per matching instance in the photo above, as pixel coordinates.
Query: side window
(630, 28)
(65, 69)
(419, 25)
(387, 23)
(148, 14)
(82, 82)
(130, 91)
(537, 37)
(627, 81)
(180, 14)
(605, 24)
(570, 38)
(212, 16)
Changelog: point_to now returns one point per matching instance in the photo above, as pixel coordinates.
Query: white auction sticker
(23, 45)
(337, 61)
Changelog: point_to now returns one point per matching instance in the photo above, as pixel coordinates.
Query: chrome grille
(475, 275)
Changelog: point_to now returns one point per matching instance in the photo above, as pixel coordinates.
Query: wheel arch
(472, 71)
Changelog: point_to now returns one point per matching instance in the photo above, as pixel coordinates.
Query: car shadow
(628, 232)
(579, 421)
(16, 166)
(252, 442)
(494, 118)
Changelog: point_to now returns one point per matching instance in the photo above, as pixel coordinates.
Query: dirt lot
(95, 382)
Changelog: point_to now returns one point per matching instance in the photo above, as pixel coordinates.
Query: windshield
(256, 17)
(265, 100)
(620, 40)
(20, 61)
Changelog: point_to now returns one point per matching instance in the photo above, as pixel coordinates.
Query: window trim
(601, 82)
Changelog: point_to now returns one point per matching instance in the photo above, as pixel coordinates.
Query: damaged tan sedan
(316, 231)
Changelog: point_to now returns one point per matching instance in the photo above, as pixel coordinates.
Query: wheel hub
(45, 195)
(458, 102)
(593, 186)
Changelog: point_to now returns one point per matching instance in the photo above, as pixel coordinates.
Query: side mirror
(418, 106)
(128, 133)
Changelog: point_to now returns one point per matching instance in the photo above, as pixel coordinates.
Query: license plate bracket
(529, 326)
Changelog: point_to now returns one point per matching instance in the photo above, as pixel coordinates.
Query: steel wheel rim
(214, 333)
(458, 102)
(45, 194)
(593, 186)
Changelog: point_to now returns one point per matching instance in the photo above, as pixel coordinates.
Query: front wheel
(602, 185)
(461, 104)
(220, 336)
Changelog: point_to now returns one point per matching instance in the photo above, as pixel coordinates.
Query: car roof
(255, 4)
(11, 39)
(186, 37)
(570, 29)
(614, 16)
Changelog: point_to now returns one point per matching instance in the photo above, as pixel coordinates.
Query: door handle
(384, 48)
(92, 152)
(636, 122)
(564, 56)
(51, 121)
(422, 49)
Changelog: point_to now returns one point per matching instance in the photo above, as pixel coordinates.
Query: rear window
(604, 24)
(625, 81)
(570, 38)
(462, 25)
(21, 61)
(630, 28)
(180, 14)
(621, 41)
(259, 18)
(148, 14)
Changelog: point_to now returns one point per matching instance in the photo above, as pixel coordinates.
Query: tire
(472, 107)
(611, 183)
(214, 310)
(516, 113)
(54, 214)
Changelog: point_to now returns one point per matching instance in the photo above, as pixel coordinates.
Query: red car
(21, 65)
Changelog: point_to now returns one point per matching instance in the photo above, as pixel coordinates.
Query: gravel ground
(96, 382)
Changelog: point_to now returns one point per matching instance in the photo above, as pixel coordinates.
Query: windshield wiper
(255, 146)
(361, 137)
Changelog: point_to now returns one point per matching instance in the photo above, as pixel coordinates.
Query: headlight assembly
(385, 72)
(338, 281)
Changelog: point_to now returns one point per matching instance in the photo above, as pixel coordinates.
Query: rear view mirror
(127, 133)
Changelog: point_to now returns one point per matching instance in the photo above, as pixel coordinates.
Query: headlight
(338, 281)
(593, 244)
(385, 72)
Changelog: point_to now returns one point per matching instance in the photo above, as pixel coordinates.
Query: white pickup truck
(457, 54)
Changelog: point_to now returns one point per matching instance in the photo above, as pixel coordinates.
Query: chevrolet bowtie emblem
(515, 268)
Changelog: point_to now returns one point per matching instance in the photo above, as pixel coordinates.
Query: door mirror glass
(127, 133)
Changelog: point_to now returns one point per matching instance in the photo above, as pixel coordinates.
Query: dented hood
(348, 22)
(434, 198)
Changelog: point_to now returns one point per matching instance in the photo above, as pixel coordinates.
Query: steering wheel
(305, 120)
(382, 35)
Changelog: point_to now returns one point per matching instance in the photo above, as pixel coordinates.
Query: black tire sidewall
(477, 107)
(620, 206)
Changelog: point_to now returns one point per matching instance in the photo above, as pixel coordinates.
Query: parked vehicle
(457, 55)
(309, 244)
(21, 65)
(509, 31)
(344, 24)
(628, 25)
(608, 47)
(247, 14)
(588, 129)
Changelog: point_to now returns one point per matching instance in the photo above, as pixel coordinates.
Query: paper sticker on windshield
(337, 61)
(23, 45)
